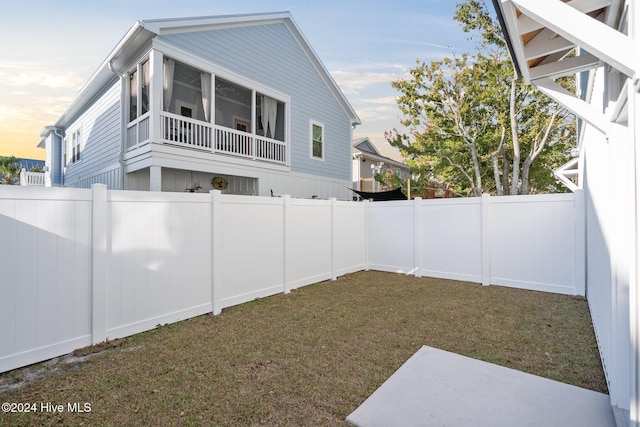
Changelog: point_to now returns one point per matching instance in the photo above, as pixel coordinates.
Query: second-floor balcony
(195, 134)
(240, 122)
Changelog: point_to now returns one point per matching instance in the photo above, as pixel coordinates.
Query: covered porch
(171, 102)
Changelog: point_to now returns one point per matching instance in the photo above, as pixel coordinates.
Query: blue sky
(49, 49)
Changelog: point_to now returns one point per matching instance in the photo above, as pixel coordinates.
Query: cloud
(31, 112)
(40, 79)
(410, 42)
(32, 74)
(354, 78)
(10, 114)
(351, 81)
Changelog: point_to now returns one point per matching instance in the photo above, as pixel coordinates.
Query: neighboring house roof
(29, 164)
(364, 147)
(142, 32)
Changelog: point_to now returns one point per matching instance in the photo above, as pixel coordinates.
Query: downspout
(55, 132)
(122, 77)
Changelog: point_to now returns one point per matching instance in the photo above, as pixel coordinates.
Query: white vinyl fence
(531, 242)
(80, 266)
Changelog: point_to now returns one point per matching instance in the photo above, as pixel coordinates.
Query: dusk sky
(49, 49)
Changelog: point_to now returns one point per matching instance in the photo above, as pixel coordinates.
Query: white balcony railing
(184, 131)
(35, 179)
(195, 134)
(138, 132)
(191, 133)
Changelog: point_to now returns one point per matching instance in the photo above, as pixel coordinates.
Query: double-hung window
(75, 140)
(72, 148)
(139, 80)
(317, 140)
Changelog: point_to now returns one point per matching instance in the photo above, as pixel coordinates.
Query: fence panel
(251, 242)
(451, 238)
(46, 258)
(308, 239)
(533, 242)
(159, 260)
(349, 237)
(80, 266)
(390, 229)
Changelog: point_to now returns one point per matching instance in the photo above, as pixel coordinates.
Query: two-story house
(240, 103)
(368, 162)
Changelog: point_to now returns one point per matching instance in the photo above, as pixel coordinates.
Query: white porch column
(155, 94)
(254, 119)
(155, 178)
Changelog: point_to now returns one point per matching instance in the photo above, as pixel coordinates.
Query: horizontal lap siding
(271, 56)
(99, 128)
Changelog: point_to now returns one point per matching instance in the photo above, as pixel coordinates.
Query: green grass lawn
(311, 357)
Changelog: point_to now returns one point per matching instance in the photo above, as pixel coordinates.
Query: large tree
(474, 125)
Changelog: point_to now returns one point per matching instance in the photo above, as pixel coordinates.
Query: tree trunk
(495, 163)
(515, 169)
(526, 165)
(537, 148)
(505, 172)
(477, 190)
(496, 173)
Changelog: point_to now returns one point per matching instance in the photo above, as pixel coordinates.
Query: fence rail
(81, 266)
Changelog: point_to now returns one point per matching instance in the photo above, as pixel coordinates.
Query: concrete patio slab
(438, 388)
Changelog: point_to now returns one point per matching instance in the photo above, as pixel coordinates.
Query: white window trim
(76, 146)
(138, 69)
(66, 148)
(313, 123)
(72, 147)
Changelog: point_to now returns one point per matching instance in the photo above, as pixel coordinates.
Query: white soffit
(542, 33)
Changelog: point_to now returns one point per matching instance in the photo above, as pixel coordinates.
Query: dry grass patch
(311, 357)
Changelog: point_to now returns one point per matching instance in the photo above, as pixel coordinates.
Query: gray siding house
(239, 103)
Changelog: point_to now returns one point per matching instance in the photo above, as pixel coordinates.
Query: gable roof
(365, 148)
(143, 31)
(365, 144)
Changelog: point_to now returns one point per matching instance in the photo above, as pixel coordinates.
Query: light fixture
(192, 186)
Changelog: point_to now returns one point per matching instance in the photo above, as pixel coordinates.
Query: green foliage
(9, 170)
(475, 126)
(390, 180)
